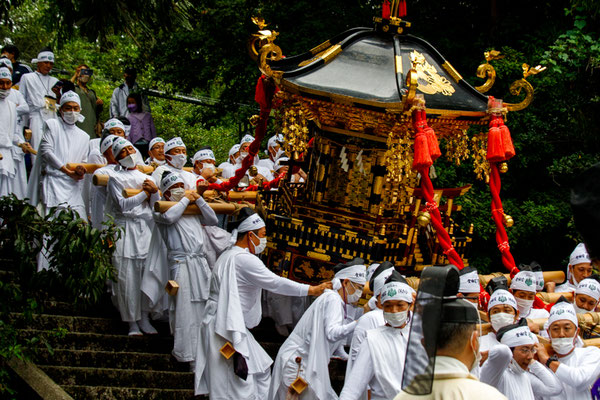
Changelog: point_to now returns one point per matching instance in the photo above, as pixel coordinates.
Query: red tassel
(507, 143)
(402, 9)
(432, 141)
(421, 159)
(385, 10)
(495, 150)
(264, 93)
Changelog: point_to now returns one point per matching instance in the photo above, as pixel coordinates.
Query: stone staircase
(95, 359)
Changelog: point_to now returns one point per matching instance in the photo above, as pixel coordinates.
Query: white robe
(234, 307)
(189, 179)
(134, 214)
(317, 335)
(371, 320)
(186, 255)
(61, 144)
(379, 364)
(519, 384)
(452, 381)
(566, 287)
(577, 373)
(98, 196)
(35, 87)
(267, 163)
(20, 180)
(536, 313)
(8, 139)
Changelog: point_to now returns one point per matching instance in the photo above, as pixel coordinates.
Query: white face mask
(261, 246)
(4, 93)
(208, 166)
(501, 320)
(580, 310)
(178, 160)
(279, 153)
(396, 319)
(243, 154)
(354, 297)
(477, 355)
(70, 117)
(177, 194)
(128, 161)
(524, 306)
(563, 345)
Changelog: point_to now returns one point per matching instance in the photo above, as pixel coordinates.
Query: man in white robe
(184, 238)
(317, 336)
(98, 193)
(51, 183)
(580, 267)
(587, 295)
(502, 311)
(36, 88)
(380, 361)
(577, 368)
(523, 286)
(134, 215)
(233, 162)
(511, 369)
(8, 136)
(233, 308)
(156, 152)
(176, 157)
(469, 285)
(204, 166)
(274, 151)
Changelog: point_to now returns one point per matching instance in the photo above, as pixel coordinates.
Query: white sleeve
(114, 104)
(355, 385)
(584, 374)
(256, 273)
(496, 364)
(47, 149)
(335, 329)
(125, 203)
(208, 216)
(543, 381)
(357, 338)
(173, 214)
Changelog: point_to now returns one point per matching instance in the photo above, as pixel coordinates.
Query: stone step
(104, 309)
(122, 393)
(109, 359)
(98, 342)
(47, 322)
(134, 378)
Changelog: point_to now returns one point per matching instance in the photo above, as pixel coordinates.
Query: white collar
(449, 365)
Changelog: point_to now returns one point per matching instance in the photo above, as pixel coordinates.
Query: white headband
(173, 143)
(579, 255)
(70, 96)
(118, 145)
(44, 56)
(5, 74)
(114, 123)
(251, 223)
(247, 139)
(539, 280)
(356, 273)
(501, 296)
(562, 311)
(6, 62)
(234, 149)
(396, 291)
(371, 271)
(524, 280)
(154, 141)
(379, 281)
(520, 336)
(107, 143)
(589, 287)
(169, 180)
(206, 154)
(469, 283)
(275, 140)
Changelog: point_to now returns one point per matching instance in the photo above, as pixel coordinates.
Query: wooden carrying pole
(209, 194)
(192, 209)
(549, 276)
(590, 318)
(90, 168)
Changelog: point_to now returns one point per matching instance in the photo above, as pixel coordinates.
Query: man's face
(158, 151)
(244, 147)
(523, 294)
(394, 306)
(168, 192)
(586, 302)
(5, 84)
(117, 132)
(273, 150)
(44, 67)
(177, 150)
(523, 355)
(8, 55)
(234, 156)
(502, 308)
(562, 329)
(70, 106)
(125, 152)
(581, 271)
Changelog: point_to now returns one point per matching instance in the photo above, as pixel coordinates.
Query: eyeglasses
(525, 351)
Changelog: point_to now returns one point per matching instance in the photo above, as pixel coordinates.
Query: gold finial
(260, 22)
(492, 55)
(527, 71)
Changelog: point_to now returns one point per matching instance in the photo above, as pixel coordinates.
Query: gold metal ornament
(503, 168)
(522, 84)
(432, 81)
(508, 221)
(424, 219)
(487, 70)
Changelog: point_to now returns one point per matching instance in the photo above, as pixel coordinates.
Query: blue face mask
(132, 107)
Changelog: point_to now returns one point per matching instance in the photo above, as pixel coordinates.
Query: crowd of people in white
(220, 278)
